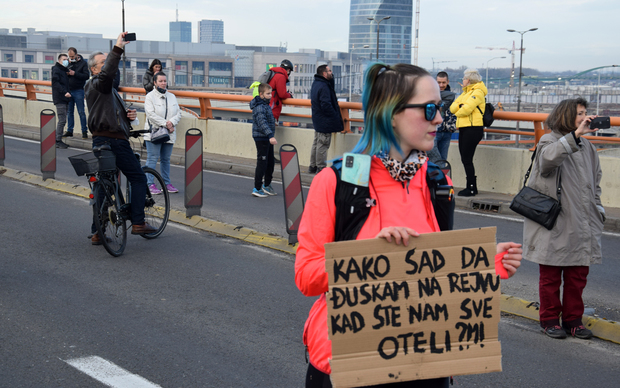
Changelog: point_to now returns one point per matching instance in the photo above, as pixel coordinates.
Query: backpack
(353, 202)
(266, 76)
(487, 116)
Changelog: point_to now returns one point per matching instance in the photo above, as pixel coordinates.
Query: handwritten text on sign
(400, 313)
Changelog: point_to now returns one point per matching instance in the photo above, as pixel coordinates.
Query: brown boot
(142, 229)
(95, 240)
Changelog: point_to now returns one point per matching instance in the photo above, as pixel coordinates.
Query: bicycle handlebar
(138, 132)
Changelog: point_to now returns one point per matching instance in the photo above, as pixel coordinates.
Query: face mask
(72, 60)
(162, 91)
(65, 63)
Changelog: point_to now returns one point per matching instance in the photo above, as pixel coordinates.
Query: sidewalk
(485, 202)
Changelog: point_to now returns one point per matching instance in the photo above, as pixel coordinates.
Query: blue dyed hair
(386, 90)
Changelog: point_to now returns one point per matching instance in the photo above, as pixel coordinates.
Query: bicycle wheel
(110, 224)
(157, 207)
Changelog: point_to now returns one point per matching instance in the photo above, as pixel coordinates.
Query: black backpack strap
(442, 196)
(353, 204)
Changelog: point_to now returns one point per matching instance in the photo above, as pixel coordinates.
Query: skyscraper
(211, 31)
(394, 33)
(180, 31)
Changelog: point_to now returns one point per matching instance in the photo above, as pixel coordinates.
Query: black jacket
(77, 80)
(326, 117)
(60, 84)
(147, 81)
(107, 112)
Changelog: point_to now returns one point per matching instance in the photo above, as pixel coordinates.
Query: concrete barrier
(499, 169)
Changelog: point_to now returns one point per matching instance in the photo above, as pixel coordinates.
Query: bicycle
(110, 211)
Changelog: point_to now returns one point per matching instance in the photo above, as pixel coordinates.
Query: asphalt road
(227, 199)
(190, 309)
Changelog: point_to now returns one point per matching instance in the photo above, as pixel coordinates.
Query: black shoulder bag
(535, 205)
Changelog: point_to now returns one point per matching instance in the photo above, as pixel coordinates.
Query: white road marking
(109, 374)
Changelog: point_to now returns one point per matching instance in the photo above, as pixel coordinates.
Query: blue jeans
(442, 142)
(161, 152)
(77, 99)
(128, 164)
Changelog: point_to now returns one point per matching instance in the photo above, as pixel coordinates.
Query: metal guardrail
(32, 88)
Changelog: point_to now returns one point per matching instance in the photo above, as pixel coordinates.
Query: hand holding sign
(508, 259)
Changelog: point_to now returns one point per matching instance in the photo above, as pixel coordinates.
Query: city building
(31, 54)
(394, 33)
(180, 31)
(211, 31)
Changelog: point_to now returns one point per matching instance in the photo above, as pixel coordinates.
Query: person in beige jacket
(566, 251)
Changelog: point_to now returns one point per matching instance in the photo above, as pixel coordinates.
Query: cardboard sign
(428, 310)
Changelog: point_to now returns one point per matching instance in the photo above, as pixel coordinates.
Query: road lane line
(109, 374)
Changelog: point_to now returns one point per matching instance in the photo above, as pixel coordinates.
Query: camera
(600, 123)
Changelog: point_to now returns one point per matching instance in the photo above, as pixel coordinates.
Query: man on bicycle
(110, 122)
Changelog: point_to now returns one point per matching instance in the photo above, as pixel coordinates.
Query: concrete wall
(499, 169)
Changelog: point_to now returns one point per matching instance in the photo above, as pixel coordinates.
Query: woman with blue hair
(401, 106)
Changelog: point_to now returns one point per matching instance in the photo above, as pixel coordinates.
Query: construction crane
(434, 61)
(512, 53)
(417, 29)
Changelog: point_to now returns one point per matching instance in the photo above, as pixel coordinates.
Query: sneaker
(259, 193)
(171, 189)
(269, 190)
(84, 135)
(67, 134)
(579, 332)
(61, 144)
(154, 190)
(555, 332)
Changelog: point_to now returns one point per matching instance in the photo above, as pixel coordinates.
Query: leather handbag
(161, 134)
(537, 206)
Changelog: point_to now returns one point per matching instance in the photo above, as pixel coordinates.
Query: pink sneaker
(154, 190)
(172, 189)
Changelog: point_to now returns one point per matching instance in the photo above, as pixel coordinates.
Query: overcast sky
(572, 35)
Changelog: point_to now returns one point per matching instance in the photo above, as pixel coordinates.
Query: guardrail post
(538, 132)
(31, 94)
(193, 172)
(345, 117)
(48, 143)
(293, 194)
(205, 108)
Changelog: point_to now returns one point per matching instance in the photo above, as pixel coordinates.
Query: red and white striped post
(2, 154)
(193, 172)
(293, 194)
(48, 144)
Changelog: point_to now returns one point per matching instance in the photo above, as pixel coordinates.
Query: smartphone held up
(130, 37)
(602, 122)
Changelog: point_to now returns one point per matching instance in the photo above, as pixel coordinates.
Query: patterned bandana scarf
(404, 171)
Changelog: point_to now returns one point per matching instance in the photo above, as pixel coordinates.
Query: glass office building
(395, 41)
(180, 31)
(211, 31)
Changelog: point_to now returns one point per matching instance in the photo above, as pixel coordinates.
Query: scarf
(404, 171)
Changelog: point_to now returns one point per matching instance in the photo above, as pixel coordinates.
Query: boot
(470, 190)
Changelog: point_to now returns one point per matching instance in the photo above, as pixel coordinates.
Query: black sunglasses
(430, 109)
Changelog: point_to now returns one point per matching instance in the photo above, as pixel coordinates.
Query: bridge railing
(206, 108)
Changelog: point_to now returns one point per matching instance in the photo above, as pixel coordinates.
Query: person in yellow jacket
(468, 109)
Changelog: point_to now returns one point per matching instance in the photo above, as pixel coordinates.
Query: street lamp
(520, 65)
(350, 72)
(124, 57)
(487, 81)
(378, 22)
